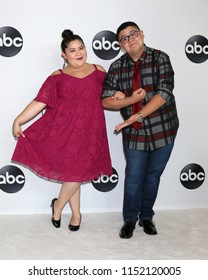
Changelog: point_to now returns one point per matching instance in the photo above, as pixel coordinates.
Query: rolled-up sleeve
(110, 85)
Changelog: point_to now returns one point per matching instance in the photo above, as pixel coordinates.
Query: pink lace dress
(68, 143)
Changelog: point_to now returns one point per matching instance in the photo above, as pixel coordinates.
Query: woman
(68, 143)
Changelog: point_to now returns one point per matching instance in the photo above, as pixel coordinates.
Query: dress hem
(57, 180)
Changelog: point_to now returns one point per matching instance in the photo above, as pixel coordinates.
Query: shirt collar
(142, 57)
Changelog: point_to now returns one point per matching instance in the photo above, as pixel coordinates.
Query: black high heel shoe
(75, 228)
(56, 223)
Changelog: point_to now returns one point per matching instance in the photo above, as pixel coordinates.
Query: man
(150, 126)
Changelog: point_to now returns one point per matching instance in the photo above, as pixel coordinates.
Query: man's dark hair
(125, 25)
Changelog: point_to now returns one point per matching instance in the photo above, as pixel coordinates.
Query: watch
(140, 119)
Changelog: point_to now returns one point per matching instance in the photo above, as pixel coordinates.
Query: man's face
(131, 41)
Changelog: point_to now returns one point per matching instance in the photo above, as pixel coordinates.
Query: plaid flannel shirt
(157, 77)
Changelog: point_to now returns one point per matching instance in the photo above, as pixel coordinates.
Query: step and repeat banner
(30, 37)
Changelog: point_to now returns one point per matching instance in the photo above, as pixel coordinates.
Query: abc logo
(192, 176)
(106, 183)
(105, 45)
(12, 179)
(11, 41)
(197, 49)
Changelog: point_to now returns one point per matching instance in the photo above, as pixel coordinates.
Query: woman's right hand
(32, 109)
(17, 130)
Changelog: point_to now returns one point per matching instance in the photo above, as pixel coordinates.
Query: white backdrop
(167, 25)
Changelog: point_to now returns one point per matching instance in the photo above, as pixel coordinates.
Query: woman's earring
(65, 63)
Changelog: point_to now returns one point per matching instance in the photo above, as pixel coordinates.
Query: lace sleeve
(48, 92)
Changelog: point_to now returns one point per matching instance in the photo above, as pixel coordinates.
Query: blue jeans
(142, 178)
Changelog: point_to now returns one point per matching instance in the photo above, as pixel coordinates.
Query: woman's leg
(74, 203)
(67, 191)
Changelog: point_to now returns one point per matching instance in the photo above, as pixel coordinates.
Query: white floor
(182, 235)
